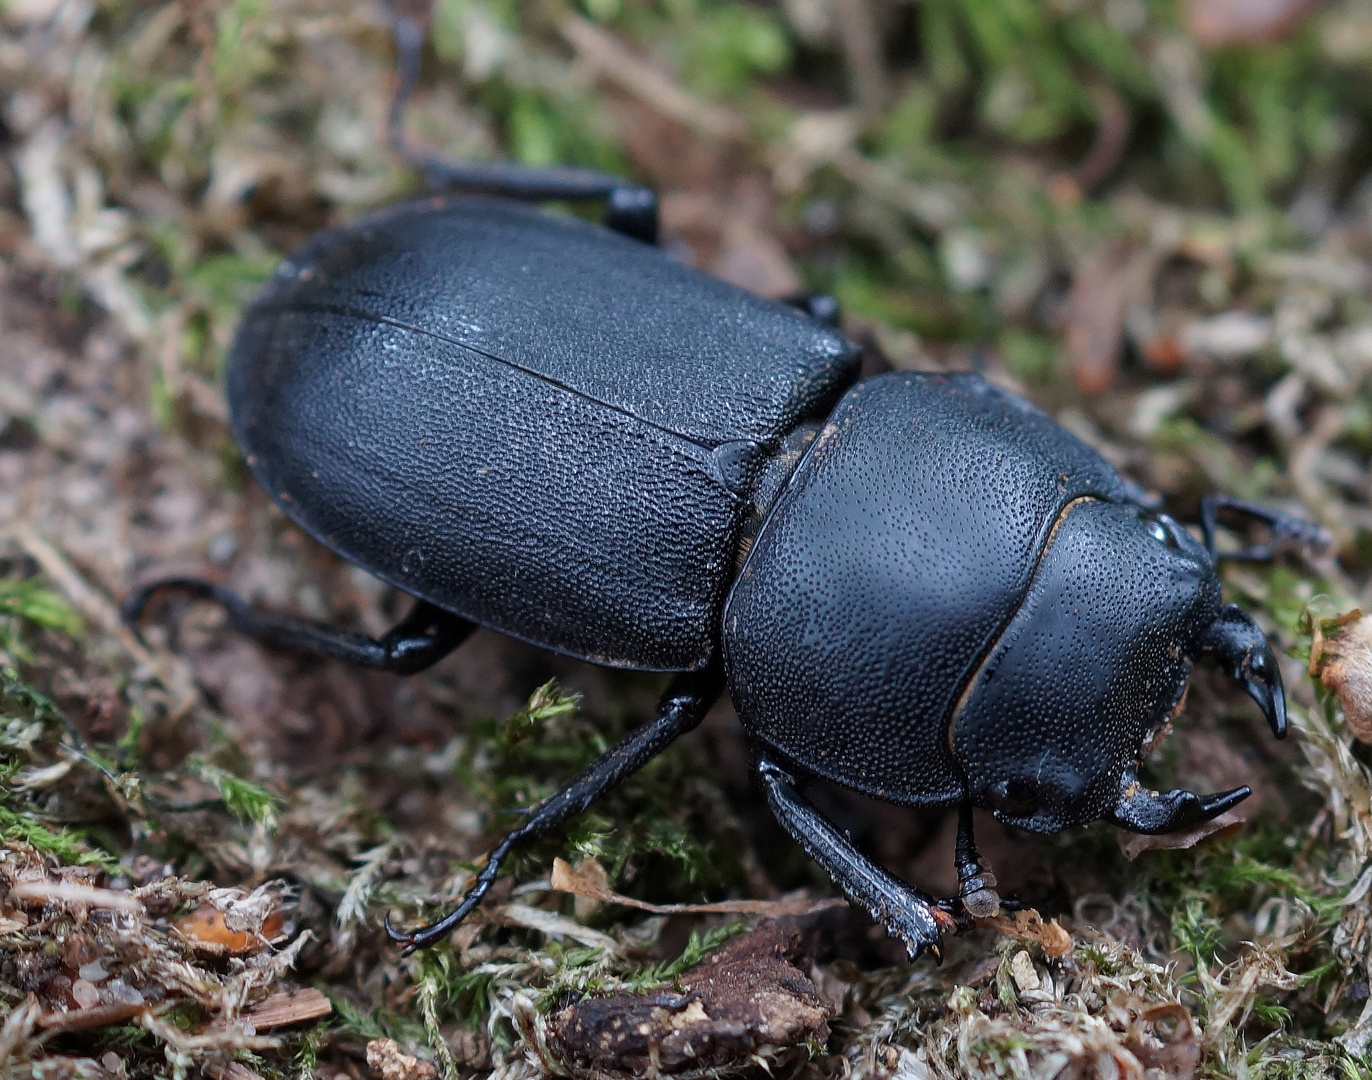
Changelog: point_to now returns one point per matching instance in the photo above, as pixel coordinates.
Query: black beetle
(917, 586)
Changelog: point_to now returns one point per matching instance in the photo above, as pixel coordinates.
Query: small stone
(85, 994)
(121, 991)
(92, 972)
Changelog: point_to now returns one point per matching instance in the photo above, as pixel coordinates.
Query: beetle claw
(399, 937)
(1269, 696)
(1212, 806)
(1143, 811)
(1242, 649)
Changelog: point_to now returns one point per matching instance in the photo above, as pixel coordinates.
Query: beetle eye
(1158, 533)
(1014, 798)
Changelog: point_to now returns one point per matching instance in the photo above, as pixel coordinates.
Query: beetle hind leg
(681, 709)
(630, 209)
(421, 639)
(905, 912)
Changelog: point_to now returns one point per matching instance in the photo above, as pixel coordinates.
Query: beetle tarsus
(1243, 651)
(906, 913)
(976, 884)
(421, 639)
(680, 710)
(630, 209)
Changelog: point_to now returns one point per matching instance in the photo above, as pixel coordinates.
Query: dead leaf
(11, 922)
(1095, 315)
(1135, 844)
(1165, 1039)
(1219, 23)
(209, 934)
(1341, 658)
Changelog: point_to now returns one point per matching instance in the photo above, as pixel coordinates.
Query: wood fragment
(748, 1003)
(67, 894)
(289, 1007)
(59, 1021)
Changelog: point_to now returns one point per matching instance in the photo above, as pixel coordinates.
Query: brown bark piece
(747, 1001)
(59, 1022)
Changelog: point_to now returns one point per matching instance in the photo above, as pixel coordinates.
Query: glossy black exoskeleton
(916, 586)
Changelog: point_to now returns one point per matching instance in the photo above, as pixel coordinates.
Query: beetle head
(1092, 668)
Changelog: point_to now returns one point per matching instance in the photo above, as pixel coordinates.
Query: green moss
(247, 801)
(25, 600)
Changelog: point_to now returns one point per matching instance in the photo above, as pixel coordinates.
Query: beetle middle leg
(630, 208)
(904, 911)
(421, 639)
(681, 709)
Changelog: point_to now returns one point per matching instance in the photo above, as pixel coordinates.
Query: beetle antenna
(1143, 810)
(1243, 651)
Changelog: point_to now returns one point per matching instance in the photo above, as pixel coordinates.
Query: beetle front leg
(1284, 526)
(681, 709)
(905, 912)
(420, 640)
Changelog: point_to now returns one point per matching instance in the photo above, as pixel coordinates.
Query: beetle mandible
(916, 586)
